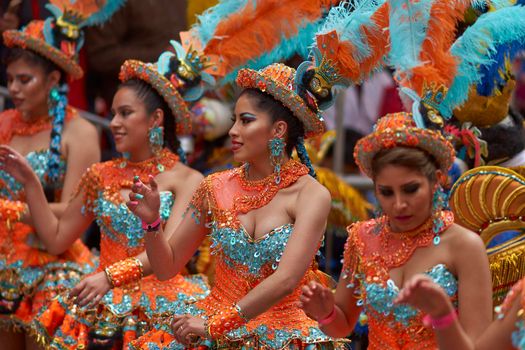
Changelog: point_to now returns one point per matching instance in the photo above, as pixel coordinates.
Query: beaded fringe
(507, 268)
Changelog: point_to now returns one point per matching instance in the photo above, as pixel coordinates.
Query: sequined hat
(178, 77)
(59, 37)
(399, 129)
(278, 80)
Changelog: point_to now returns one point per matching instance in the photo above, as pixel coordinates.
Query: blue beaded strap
(303, 156)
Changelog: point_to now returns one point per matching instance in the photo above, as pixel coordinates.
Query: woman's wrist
(33, 183)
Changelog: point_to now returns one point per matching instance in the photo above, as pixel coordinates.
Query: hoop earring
(276, 146)
(439, 202)
(156, 139)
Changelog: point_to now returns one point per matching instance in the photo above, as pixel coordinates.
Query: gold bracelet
(124, 272)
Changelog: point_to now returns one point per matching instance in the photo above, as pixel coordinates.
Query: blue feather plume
(208, 21)
(478, 46)
(492, 76)
(408, 29)
(99, 17)
(104, 13)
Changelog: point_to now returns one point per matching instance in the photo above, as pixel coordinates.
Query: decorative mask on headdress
(176, 89)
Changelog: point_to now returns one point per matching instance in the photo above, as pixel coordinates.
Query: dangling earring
(439, 202)
(156, 139)
(276, 146)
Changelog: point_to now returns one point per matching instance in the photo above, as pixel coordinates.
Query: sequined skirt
(30, 277)
(122, 315)
(284, 326)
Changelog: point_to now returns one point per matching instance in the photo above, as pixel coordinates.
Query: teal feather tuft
(347, 20)
(104, 13)
(477, 46)
(208, 21)
(408, 30)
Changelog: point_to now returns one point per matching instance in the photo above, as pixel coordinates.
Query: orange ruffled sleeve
(88, 188)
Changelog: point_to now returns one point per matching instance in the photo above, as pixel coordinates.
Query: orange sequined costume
(242, 263)
(29, 276)
(368, 258)
(124, 312)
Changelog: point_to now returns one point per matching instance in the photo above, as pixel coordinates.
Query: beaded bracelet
(124, 272)
(328, 319)
(225, 320)
(153, 227)
(440, 323)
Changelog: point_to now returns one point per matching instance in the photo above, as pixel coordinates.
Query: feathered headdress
(348, 47)
(354, 37)
(179, 76)
(421, 35)
(59, 37)
(441, 72)
(482, 51)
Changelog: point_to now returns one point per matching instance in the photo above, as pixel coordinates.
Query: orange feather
(84, 8)
(342, 52)
(261, 28)
(439, 66)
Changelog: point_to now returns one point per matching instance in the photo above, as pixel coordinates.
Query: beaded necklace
(23, 127)
(258, 193)
(398, 247)
(17, 126)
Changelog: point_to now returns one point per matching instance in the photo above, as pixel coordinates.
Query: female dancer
(115, 304)
(414, 235)
(506, 332)
(53, 138)
(266, 220)
(499, 215)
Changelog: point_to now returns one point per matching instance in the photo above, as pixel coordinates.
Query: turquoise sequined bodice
(39, 162)
(238, 248)
(518, 336)
(119, 224)
(379, 298)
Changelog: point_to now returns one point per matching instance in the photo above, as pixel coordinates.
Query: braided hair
(57, 103)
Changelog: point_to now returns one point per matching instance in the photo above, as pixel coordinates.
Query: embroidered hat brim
(17, 38)
(406, 135)
(312, 122)
(134, 69)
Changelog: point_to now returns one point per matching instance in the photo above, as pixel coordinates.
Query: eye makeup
(248, 116)
(411, 187)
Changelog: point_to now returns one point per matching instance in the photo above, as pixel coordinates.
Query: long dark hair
(152, 100)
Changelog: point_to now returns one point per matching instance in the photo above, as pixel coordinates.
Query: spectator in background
(130, 34)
